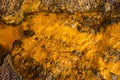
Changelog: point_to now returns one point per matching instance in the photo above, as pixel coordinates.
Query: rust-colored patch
(8, 35)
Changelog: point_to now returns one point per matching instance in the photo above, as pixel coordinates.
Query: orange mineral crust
(59, 47)
(59, 39)
(8, 34)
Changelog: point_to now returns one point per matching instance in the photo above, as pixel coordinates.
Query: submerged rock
(11, 11)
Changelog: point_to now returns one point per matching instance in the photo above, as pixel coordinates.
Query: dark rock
(3, 53)
(28, 33)
(11, 11)
(7, 72)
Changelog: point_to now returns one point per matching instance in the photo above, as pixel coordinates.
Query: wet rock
(28, 33)
(77, 53)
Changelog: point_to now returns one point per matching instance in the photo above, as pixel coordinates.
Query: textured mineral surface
(7, 71)
(12, 11)
(60, 40)
(56, 47)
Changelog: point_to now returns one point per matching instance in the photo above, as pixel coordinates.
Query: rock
(12, 11)
(7, 71)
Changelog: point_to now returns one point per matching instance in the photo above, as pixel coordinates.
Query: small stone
(114, 77)
(77, 53)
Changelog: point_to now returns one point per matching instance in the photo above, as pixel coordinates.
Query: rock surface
(58, 48)
(12, 11)
(63, 39)
(7, 71)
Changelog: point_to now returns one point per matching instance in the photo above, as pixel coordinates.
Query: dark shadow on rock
(3, 53)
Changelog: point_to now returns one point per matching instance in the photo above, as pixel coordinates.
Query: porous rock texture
(12, 11)
(7, 71)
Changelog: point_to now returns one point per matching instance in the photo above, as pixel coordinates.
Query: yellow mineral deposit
(49, 27)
